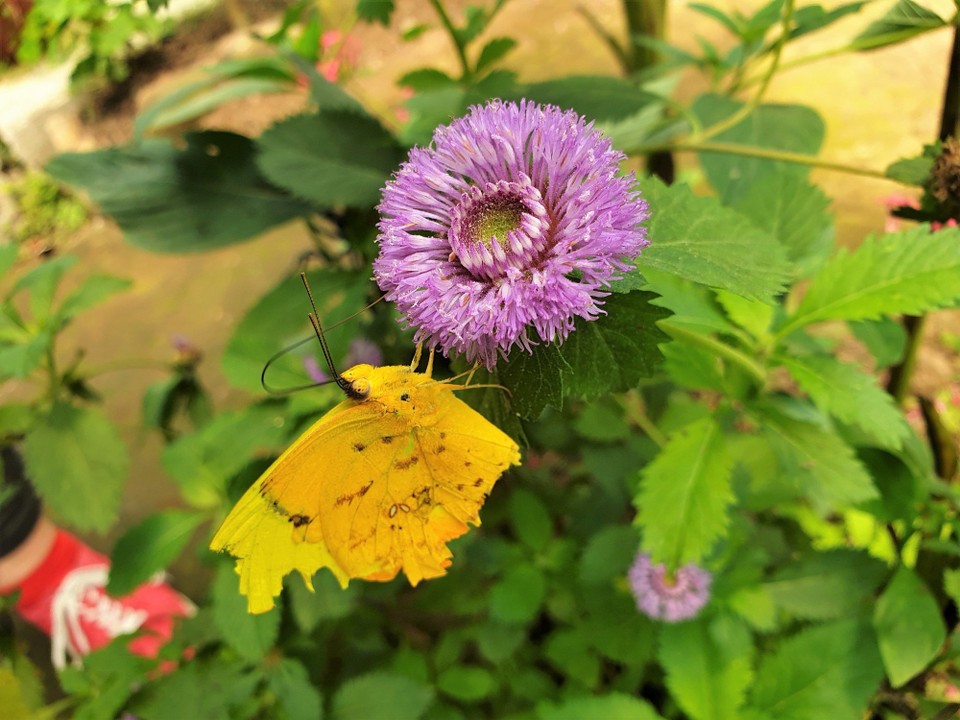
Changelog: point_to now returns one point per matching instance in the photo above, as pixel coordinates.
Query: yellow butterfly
(378, 485)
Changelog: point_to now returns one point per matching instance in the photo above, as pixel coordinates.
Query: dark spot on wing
(478, 482)
(299, 520)
(441, 448)
(386, 439)
(348, 498)
(359, 446)
(443, 435)
(467, 463)
(409, 462)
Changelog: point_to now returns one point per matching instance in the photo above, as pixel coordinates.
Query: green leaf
(610, 354)
(15, 418)
(849, 394)
(375, 11)
(334, 157)
(685, 493)
(752, 315)
(608, 554)
(708, 666)
(11, 698)
(296, 695)
(467, 683)
(530, 519)
(213, 690)
(76, 460)
(795, 212)
(913, 271)
(886, 339)
(517, 597)
(94, 290)
(42, 282)
(597, 97)
(250, 636)
(826, 585)
(426, 79)
(612, 706)
(698, 239)
(903, 21)
(381, 695)
(909, 627)
(570, 652)
(951, 584)
(8, 256)
(493, 51)
(204, 196)
(201, 463)
(327, 602)
(911, 171)
(278, 320)
(148, 547)
(20, 360)
(826, 671)
(820, 465)
(615, 352)
(790, 128)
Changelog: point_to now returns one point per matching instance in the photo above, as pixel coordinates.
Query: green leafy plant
(726, 413)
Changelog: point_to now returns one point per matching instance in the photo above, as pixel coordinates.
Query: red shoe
(65, 598)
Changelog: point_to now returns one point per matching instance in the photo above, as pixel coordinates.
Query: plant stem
(633, 405)
(754, 369)
(767, 154)
(899, 382)
(644, 17)
(757, 98)
(454, 37)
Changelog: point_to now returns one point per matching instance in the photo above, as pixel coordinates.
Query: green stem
(796, 62)
(644, 17)
(633, 405)
(765, 153)
(757, 98)
(454, 37)
(711, 344)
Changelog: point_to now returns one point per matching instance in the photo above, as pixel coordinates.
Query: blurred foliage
(706, 418)
(45, 210)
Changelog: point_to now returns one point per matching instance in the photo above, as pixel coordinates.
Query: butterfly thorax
(411, 396)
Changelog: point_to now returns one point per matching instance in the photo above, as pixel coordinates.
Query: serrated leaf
(819, 464)
(611, 706)
(426, 79)
(913, 271)
(466, 683)
(42, 282)
(518, 595)
(327, 602)
(616, 351)
(753, 316)
(795, 212)
(886, 339)
(77, 461)
(149, 547)
(826, 585)
(205, 196)
(708, 666)
(214, 690)
(493, 50)
(295, 693)
(910, 629)
(610, 354)
(682, 506)
(849, 394)
(250, 636)
(905, 20)
(381, 694)
(334, 157)
(698, 239)
(826, 671)
(791, 128)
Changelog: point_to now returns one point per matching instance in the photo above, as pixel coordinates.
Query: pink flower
(665, 596)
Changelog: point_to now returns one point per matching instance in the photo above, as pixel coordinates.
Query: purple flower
(663, 597)
(506, 229)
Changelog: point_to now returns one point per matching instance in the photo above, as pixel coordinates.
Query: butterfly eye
(359, 389)
(404, 397)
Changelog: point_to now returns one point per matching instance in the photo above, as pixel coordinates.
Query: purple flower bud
(665, 597)
(507, 228)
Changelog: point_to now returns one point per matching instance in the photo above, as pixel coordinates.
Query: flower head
(663, 597)
(506, 229)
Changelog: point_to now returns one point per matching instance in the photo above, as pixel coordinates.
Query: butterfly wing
(275, 527)
(424, 485)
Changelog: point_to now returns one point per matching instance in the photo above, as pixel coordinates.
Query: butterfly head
(356, 382)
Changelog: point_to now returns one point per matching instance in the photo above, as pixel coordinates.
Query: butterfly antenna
(279, 392)
(318, 329)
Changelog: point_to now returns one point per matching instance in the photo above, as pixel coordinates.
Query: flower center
(498, 226)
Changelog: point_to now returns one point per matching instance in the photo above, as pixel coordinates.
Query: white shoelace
(69, 608)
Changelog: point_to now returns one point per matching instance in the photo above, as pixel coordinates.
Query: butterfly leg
(429, 371)
(415, 363)
(470, 375)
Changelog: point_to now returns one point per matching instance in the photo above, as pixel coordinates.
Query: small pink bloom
(669, 598)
